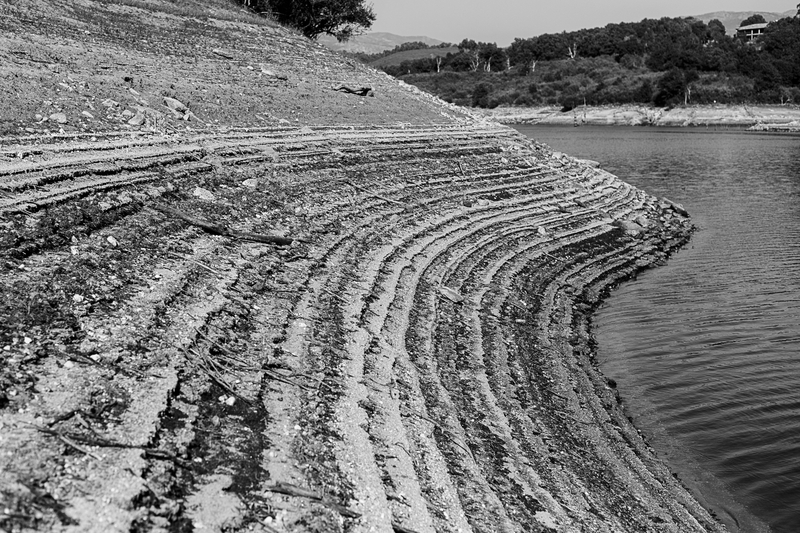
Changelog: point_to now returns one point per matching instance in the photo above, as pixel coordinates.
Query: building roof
(759, 26)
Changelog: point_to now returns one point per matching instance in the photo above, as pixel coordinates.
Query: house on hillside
(751, 32)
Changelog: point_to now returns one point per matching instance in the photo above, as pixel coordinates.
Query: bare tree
(573, 50)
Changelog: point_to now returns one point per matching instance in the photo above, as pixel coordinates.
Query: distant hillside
(412, 55)
(732, 19)
(372, 43)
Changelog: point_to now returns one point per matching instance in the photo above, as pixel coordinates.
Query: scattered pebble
(204, 194)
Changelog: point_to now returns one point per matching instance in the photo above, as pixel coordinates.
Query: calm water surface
(706, 350)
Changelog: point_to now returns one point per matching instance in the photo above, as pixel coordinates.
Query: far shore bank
(761, 118)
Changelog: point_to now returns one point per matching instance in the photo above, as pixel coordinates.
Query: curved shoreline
(756, 117)
(418, 357)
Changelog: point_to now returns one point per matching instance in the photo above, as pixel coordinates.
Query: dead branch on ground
(293, 490)
(361, 91)
(373, 195)
(224, 231)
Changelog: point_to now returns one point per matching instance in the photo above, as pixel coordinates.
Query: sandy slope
(414, 356)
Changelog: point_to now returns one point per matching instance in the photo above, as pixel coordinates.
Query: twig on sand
(209, 366)
(373, 195)
(226, 232)
(401, 529)
(73, 441)
(196, 262)
(294, 490)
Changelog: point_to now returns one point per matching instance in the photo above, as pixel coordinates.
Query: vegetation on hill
(664, 62)
(339, 18)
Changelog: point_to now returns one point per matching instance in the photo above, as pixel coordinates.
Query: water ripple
(706, 350)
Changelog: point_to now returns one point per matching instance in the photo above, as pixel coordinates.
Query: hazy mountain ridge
(374, 42)
(732, 19)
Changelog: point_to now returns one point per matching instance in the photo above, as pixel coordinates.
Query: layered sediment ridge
(349, 323)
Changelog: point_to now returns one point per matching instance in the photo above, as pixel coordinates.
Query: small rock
(546, 519)
(541, 231)
(642, 221)
(128, 113)
(134, 92)
(112, 241)
(61, 118)
(108, 102)
(251, 183)
(78, 298)
(87, 114)
(137, 120)
(483, 202)
(451, 295)
(204, 194)
(175, 105)
(104, 206)
(678, 208)
(631, 228)
(73, 250)
(272, 74)
(468, 203)
(230, 401)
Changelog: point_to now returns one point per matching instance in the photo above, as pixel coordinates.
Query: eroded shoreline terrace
(285, 307)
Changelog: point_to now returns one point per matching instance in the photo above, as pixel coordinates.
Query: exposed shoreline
(760, 118)
(287, 307)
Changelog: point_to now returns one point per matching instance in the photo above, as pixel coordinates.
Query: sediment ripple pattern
(418, 359)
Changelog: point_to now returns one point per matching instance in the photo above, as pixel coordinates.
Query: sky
(501, 21)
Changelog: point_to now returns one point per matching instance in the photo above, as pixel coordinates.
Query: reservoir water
(706, 350)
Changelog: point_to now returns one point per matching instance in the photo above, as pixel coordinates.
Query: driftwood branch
(361, 91)
(401, 529)
(294, 490)
(224, 231)
(74, 441)
(373, 195)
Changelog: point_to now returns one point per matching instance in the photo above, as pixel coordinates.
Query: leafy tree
(340, 18)
(480, 96)
(673, 86)
(716, 30)
(781, 41)
(754, 19)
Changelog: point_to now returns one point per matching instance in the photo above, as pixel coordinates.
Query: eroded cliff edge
(417, 358)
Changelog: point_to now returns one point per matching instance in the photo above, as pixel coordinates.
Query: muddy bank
(740, 116)
(279, 306)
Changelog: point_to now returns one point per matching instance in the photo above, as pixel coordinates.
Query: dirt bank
(741, 116)
(284, 307)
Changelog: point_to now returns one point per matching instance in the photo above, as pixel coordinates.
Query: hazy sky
(501, 20)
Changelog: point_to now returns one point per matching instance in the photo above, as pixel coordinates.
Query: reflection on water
(706, 350)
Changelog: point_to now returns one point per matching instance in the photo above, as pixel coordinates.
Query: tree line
(666, 61)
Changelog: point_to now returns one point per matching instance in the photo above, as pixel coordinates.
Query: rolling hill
(412, 55)
(732, 19)
(374, 42)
